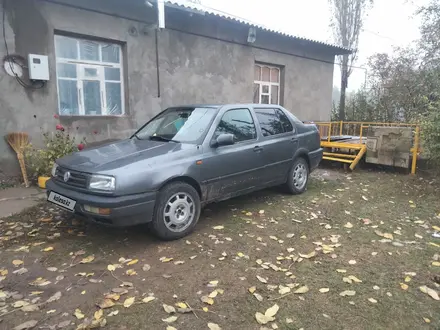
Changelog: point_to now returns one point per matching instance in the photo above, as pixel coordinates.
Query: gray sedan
(182, 159)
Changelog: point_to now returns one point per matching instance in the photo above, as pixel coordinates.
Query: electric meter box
(38, 67)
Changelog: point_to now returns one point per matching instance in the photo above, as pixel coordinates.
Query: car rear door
(232, 170)
(279, 142)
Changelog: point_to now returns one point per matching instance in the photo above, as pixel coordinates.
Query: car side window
(238, 122)
(285, 122)
(269, 122)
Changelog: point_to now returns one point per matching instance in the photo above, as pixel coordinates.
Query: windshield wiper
(161, 138)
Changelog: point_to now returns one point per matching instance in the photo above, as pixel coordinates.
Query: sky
(389, 23)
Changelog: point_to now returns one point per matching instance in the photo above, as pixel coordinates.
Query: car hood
(118, 154)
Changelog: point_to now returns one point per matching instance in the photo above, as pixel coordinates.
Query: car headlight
(54, 169)
(102, 182)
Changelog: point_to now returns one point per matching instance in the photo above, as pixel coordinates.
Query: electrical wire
(12, 58)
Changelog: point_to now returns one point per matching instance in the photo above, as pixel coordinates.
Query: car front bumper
(125, 211)
(315, 158)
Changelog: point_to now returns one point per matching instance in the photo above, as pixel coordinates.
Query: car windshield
(186, 125)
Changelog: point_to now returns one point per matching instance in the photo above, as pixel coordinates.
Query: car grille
(77, 179)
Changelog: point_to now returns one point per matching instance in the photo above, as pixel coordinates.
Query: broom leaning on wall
(18, 141)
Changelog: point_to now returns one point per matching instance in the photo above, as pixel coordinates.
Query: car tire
(298, 176)
(177, 211)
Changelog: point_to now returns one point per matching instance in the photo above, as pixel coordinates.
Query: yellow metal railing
(357, 129)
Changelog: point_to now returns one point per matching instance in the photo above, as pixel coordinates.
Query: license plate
(62, 201)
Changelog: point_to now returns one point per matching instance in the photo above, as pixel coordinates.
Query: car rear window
(273, 122)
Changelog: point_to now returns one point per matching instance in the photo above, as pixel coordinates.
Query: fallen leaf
(52, 269)
(347, 293)
(404, 286)
(213, 294)
(302, 289)
(134, 261)
(165, 259)
(88, 259)
(148, 299)
(170, 328)
(432, 293)
(263, 319)
(258, 296)
(283, 290)
(79, 315)
(64, 324)
(261, 279)
(55, 297)
(324, 290)
(181, 305)
(372, 300)
(408, 279)
(207, 300)
(26, 325)
(218, 227)
(146, 267)
(308, 256)
(354, 279)
(106, 303)
(426, 320)
(111, 268)
(20, 303)
(436, 263)
(252, 289)
(30, 308)
(364, 198)
(20, 271)
(169, 309)
(17, 262)
(348, 225)
(98, 314)
(128, 302)
(272, 311)
(116, 312)
(212, 284)
(130, 272)
(341, 270)
(352, 262)
(170, 319)
(213, 326)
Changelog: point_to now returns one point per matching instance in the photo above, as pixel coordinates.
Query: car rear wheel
(177, 211)
(298, 176)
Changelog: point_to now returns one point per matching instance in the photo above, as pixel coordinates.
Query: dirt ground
(355, 251)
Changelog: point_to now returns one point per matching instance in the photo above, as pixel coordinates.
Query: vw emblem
(66, 176)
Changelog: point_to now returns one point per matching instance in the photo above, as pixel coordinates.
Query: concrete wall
(208, 63)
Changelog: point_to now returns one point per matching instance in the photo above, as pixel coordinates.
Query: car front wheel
(298, 177)
(177, 211)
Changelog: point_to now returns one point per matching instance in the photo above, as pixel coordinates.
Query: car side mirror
(224, 140)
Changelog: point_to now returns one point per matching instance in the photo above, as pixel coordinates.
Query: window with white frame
(267, 84)
(89, 77)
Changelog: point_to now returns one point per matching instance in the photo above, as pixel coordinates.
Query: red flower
(81, 146)
(60, 127)
(56, 116)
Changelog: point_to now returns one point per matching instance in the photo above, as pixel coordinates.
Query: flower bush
(57, 144)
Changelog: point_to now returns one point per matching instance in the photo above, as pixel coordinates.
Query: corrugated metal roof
(210, 11)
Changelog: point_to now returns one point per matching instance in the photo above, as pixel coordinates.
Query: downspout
(160, 25)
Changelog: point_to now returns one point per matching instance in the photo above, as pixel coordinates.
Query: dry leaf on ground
(169, 309)
(128, 302)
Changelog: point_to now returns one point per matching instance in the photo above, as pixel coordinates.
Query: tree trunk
(344, 83)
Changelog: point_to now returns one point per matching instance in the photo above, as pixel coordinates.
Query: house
(110, 68)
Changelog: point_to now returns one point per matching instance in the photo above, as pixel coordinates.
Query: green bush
(431, 133)
(57, 144)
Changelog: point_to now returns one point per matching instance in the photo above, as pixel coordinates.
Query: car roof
(229, 105)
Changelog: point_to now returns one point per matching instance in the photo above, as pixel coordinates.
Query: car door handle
(294, 139)
(258, 149)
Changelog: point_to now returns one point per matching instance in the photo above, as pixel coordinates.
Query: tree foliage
(347, 21)
(405, 85)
